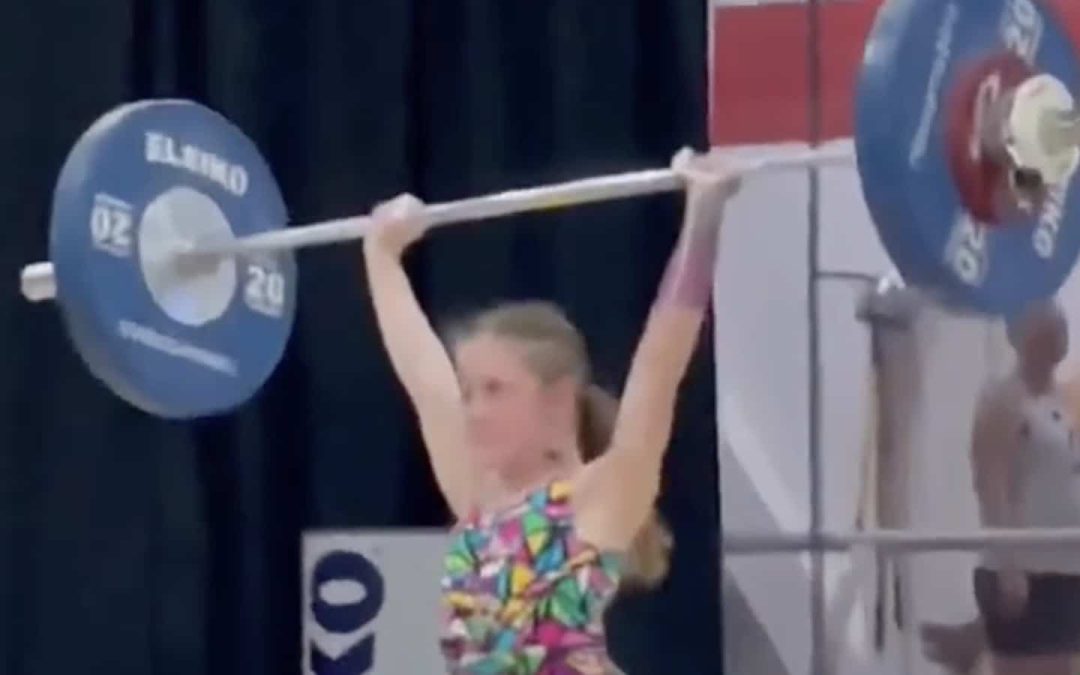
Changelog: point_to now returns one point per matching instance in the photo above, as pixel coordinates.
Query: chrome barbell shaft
(543, 198)
(38, 281)
(901, 541)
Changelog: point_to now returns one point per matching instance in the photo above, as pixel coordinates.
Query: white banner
(371, 602)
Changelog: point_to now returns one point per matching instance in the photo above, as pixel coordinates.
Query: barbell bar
(38, 281)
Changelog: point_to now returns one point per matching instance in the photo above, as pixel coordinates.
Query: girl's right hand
(397, 224)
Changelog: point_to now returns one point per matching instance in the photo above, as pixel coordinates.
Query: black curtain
(129, 544)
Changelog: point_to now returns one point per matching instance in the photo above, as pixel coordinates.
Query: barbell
(171, 255)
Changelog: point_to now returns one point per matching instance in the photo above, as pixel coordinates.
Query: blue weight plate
(176, 337)
(919, 55)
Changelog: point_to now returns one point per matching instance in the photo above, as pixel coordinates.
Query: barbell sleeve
(38, 282)
(1061, 130)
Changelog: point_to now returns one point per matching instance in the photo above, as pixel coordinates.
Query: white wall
(762, 356)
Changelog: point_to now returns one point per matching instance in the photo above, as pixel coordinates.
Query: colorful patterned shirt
(524, 595)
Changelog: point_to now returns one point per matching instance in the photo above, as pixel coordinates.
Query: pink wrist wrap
(688, 279)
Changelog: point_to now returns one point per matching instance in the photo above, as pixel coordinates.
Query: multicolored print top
(524, 596)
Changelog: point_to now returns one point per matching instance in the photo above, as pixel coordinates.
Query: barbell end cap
(38, 282)
(1042, 129)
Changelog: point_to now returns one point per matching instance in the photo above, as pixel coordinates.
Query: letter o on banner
(346, 618)
(372, 602)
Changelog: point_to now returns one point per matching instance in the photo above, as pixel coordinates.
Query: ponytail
(649, 555)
